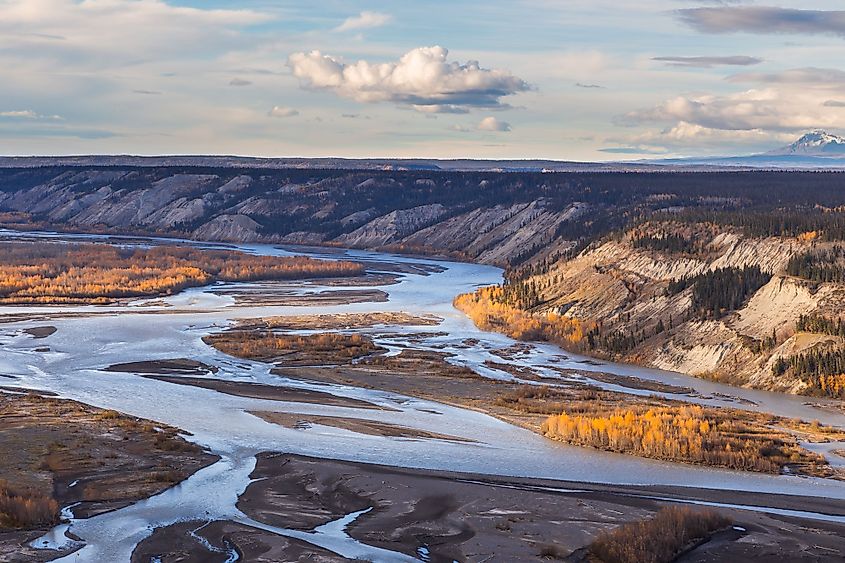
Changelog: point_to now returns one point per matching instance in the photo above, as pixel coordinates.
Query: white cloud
(113, 29)
(493, 124)
(684, 138)
(365, 20)
(27, 114)
(708, 62)
(282, 111)
(23, 114)
(685, 134)
(768, 109)
(421, 79)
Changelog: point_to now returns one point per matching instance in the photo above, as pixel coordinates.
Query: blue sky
(583, 80)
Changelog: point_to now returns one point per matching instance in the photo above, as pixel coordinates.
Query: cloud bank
(764, 19)
(422, 79)
(766, 109)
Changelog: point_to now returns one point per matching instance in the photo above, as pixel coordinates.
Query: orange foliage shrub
(657, 540)
(488, 310)
(831, 385)
(47, 272)
(258, 345)
(680, 433)
(24, 510)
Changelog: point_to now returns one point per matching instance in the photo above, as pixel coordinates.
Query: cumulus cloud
(834, 104)
(764, 19)
(492, 124)
(707, 62)
(282, 111)
(365, 20)
(767, 109)
(422, 79)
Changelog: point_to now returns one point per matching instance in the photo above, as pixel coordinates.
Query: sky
(558, 79)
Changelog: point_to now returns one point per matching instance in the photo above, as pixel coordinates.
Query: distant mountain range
(815, 150)
(815, 143)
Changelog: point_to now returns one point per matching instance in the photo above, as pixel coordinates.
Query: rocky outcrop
(232, 228)
(625, 289)
(418, 212)
(393, 227)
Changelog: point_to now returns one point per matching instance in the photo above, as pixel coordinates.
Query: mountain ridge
(815, 143)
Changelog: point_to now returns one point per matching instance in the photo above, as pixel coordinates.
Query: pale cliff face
(624, 288)
(239, 208)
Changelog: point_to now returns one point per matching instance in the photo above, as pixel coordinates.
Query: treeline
(621, 341)
(665, 242)
(683, 433)
(506, 308)
(520, 294)
(822, 368)
(822, 265)
(821, 325)
(802, 217)
(490, 309)
(47, 272)
(718, 291)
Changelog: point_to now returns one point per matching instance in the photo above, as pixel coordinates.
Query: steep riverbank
(697, 298)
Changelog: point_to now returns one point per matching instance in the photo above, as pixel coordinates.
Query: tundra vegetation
(266, 345)
(53, 273)
(58, 452)
(660, 539)
(26, 508)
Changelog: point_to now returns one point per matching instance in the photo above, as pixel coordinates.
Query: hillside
(485, 217)
(705, 273)
(500, 218)
(699, 298)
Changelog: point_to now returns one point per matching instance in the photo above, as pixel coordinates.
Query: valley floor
(384, 451)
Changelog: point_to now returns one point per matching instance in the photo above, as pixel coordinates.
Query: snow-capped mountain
(815, 143)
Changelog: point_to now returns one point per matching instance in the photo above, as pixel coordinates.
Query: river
(98, 336)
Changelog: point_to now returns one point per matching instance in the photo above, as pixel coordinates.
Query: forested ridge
(326, 206)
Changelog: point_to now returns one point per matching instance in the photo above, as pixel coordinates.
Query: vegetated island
(578, 414)
(59, 452)
(59, 273)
